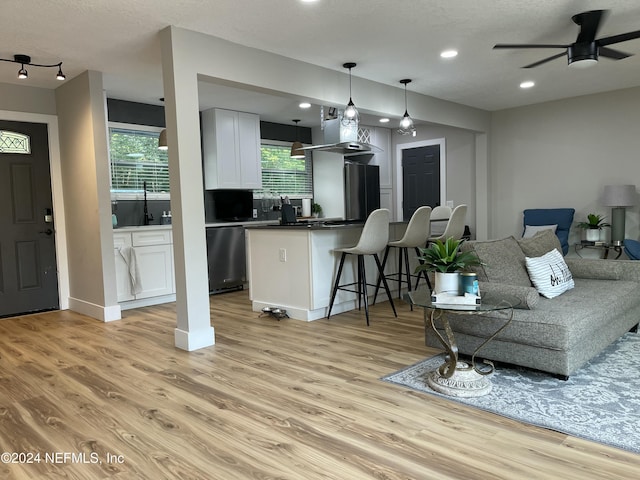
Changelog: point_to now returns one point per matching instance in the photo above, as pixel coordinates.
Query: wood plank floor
(271, 400)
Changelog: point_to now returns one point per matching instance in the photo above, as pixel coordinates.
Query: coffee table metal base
(464, 382)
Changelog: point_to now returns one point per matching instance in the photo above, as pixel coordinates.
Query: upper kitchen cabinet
(231, 149)
(381, 138)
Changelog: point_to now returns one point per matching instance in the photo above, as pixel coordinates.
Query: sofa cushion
(531, 230)
(528, 296)
(550, 274)
(593, 268)
(503, 261)
(542, 242)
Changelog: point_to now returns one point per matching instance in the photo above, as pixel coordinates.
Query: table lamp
(619, 197)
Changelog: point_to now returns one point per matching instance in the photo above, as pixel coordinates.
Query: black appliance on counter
(361, 190)
(226, 258)
(233, 205)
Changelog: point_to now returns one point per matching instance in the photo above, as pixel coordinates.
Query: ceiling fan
(586, 49)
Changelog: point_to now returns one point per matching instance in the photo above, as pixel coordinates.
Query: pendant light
(406, 124)
(162, 140)
(296, 147)
(350, 116)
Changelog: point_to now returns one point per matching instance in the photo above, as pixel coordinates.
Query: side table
(605, 247)
(455, 377)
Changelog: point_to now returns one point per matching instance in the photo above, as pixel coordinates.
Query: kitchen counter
(138, 228)
(293, 267)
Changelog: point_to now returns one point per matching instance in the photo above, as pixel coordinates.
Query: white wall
(85, 178)
(561, 154)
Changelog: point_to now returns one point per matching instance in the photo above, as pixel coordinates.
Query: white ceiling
(389, 40)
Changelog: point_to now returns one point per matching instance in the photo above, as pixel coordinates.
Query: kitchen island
(293, 266)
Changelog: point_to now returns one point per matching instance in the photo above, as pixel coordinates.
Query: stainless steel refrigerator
(361, 190)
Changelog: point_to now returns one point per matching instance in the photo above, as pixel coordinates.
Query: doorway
(28, 269)
(421, 177)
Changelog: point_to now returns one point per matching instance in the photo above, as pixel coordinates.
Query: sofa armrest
(595, 269)
(528, 296)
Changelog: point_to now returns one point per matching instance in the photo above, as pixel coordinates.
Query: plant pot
(593, 235)
(447, 283)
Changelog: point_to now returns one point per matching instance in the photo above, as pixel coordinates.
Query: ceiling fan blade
(532, 45)
(553, 57)
(623, 37)
(589, 24)
(611, 53)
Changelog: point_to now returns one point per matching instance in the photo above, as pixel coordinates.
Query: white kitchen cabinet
(231, 149)
(153, 252)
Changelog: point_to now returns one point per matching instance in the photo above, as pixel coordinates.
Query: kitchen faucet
(148, 217)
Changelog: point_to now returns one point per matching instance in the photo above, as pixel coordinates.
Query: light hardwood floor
(271, 400)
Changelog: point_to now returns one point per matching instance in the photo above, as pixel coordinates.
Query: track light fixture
(26, 60)
(406, 124)
(296, 147)
(350, 117)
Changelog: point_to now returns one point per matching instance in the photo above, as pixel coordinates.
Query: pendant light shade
(406, 124)
(296, 147)
(162, 140)
(350, 116)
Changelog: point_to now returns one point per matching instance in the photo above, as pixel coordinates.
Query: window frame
(134, 194)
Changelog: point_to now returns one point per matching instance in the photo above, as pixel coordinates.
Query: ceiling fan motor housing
(582, 51)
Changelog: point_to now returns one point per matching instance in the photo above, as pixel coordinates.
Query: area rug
(599, 402)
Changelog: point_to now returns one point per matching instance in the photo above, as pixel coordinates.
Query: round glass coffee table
(456, 377)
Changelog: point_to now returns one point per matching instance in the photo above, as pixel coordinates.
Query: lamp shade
(296, 150)
(162, 140)
(620, 195)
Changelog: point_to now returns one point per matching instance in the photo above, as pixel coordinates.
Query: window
(284, 175)
(135, 159)
(13, 142)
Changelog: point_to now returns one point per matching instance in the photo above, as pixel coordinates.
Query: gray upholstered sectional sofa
(555, 335)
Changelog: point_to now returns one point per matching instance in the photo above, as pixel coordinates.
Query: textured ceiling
(389, 39)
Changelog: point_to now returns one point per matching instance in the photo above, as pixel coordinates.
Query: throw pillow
(550, 274)
(541, 243)
(531, 230)
(503, 261)
(528, 296)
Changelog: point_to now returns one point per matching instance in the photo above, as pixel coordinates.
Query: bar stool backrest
(418, 229)
(455, 225)
(375, 233)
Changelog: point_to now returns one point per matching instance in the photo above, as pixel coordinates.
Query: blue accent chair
(632, 248)
(563, 217)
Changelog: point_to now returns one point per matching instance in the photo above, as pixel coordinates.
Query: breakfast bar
(293, 266)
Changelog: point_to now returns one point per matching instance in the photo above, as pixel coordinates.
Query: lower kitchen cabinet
(144, 267)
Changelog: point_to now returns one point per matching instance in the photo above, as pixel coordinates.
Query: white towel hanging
(130, 259)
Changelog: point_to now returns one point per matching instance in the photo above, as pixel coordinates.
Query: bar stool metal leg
(384, 281)
(336, 284)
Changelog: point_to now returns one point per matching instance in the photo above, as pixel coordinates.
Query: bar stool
(415, 236)
(374, 237)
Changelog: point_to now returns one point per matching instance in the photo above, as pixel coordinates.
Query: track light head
(60, 76)
(22, 73)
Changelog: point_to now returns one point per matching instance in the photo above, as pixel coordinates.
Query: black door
(28, 273)
(420, 178)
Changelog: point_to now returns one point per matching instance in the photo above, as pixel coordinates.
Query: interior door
(28, 272)
(420, 178)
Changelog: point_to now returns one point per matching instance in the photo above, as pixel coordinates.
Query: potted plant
(595, 222)
(446, 260)
(316, 209)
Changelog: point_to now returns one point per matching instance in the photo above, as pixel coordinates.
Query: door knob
(48, 231)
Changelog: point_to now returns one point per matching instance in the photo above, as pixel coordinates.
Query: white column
(194, 328)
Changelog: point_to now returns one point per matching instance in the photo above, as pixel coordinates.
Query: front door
(420, 178)
(28, 273)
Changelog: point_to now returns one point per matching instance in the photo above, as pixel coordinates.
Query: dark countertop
(315, 225)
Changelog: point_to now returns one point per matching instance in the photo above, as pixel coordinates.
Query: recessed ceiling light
(527, 84)
(305, 105)
(308, 1)
(384, 120)
(449, 54)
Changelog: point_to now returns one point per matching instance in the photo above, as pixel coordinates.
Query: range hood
(343, 140)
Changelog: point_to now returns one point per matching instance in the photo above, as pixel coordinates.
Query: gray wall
(561, 154)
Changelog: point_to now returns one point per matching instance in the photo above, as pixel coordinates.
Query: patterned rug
(600, 402)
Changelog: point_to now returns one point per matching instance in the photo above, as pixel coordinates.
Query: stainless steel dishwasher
(226, 258)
